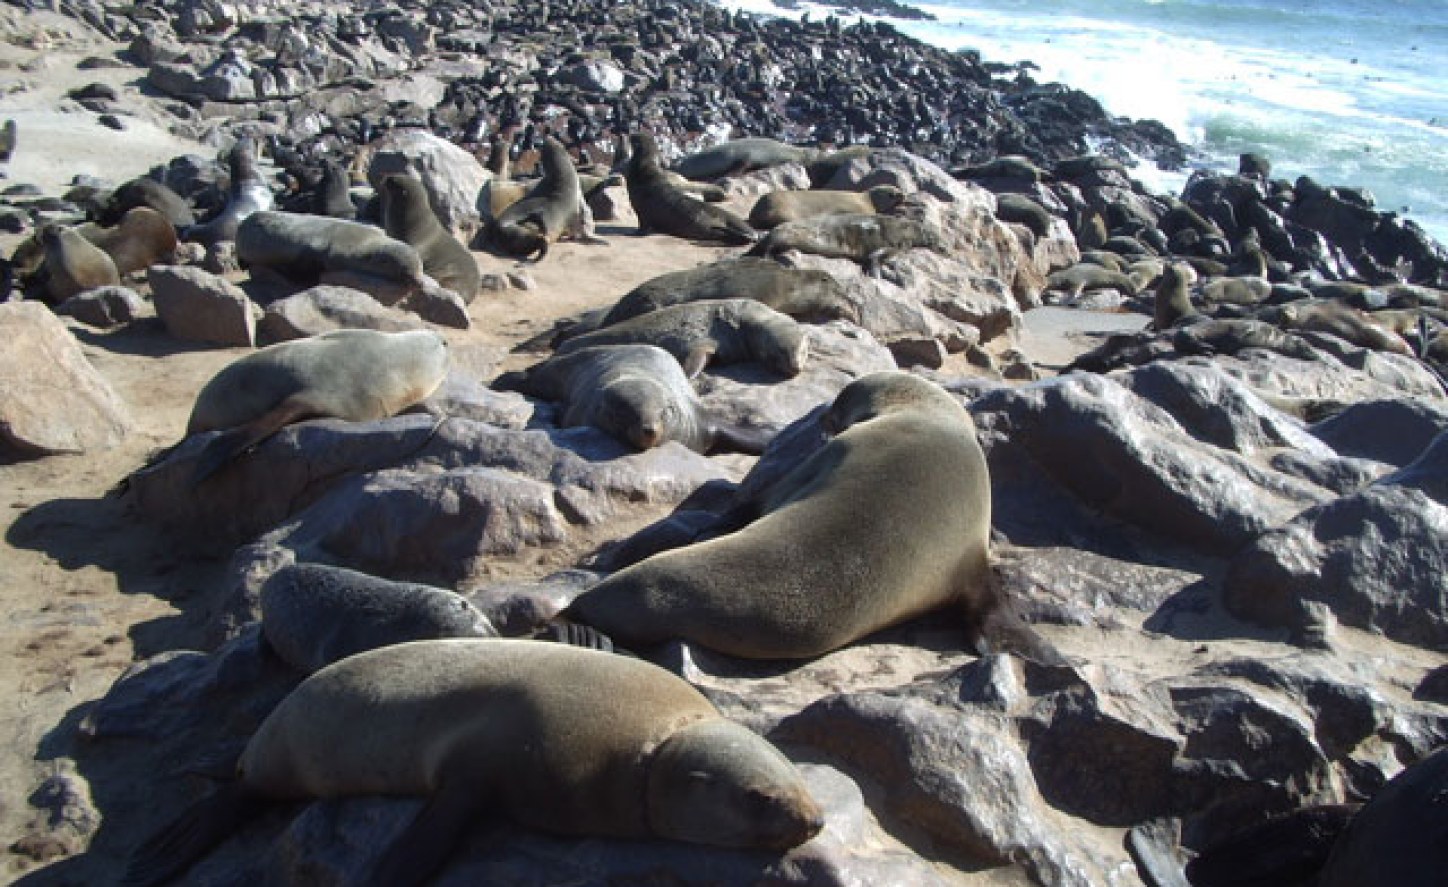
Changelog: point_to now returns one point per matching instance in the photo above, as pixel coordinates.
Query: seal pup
(798, 292)
(778, 207)
(739, 156)
(139, 240)
(145, 191)
(713, 331)
(665, 209)
(72, 264)
(305, 250)
(407, 216)
(313, 614)
(249, 194)
(635, 393)
(867, 239)
(347, 374)
(552, 737)
(333, 194)
(887, 521)
(553, 208)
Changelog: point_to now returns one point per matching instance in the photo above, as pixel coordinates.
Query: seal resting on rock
(779, 207)
(666, 209)
(887, 521)
(139, 240)
(407, 216)
(867, 239)
(346, 374)
(636, 393)
(799, 292)
(552, 737)
(552, 209)
(740, 155)
(1173, 305)
(145, 191)
(719, 331)
(305, 250)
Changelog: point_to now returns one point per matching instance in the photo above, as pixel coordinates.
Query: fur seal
(347, 374)
(306, 250)
(139, 240)
(1229, 336)
(1087, 276)
(313, 615)
(868, 239)
(7, 140)
(553, 737)
(1334, 318)
(719, 331)
(740, 155)
(1236, 290)
(73, 264)
(636, 393)
(333, 195)
(802, 293)
(1400, 837)
(407, 216)
(553, 208)
(1173, 304)
(663, 208)
(145, 191)
(887, 521)
(778, 207)
(249, 194)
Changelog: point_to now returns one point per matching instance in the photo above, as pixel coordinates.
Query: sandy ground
(88, 588)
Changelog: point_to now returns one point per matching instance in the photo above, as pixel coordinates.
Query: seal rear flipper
(576, 634)
(203, 825)
(420, 851)
(230, 444)
(1002, 630)
(698, 358)
(739, 439)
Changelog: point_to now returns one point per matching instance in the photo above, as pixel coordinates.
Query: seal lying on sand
(868, 239)
(73, 264)
(778, 207)
(407, 216)
(636, 393)
(719, 331)
(347, 374)
(558, 738)
(139, 240)
(663, 208)
(887, 521)
(553, 208)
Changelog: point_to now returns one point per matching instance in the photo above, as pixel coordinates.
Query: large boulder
(198, 306)
(453, 177)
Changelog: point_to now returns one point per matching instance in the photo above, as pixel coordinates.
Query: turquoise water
(1347, 91)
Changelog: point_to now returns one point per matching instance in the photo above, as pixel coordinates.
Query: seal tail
(208, 822)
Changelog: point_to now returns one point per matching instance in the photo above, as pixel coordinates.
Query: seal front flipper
(699, 357)
(730, 438)
(1002, 630)
(427, 841)
(231, 443)
(202, 826)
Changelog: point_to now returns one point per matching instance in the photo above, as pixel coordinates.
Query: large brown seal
(778, 207)
(407, 216)
(661, 207)
(73, 264)
(553, 737)
(139, 240)
(636, 393)
(717, 331)
(740, 155)
(803, 293)
(306, 250)
(145, 191)
(1173, 304)
(552, 209)
(888, 520)
(347, 374)
(868, 239)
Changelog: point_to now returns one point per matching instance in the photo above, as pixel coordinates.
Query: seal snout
(785, 820)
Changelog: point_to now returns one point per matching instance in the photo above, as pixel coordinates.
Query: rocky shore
(1216, 426)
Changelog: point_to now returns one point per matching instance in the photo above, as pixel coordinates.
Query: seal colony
(557, 738)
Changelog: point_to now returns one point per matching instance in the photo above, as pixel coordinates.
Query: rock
(200, 307)
(51, 399)
(1391, 431)
(324, 308)
(1376, 558)
(594, 76)
(105, 306)
(453, 177)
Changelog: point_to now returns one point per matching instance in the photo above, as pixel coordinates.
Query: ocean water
(1350, 92)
